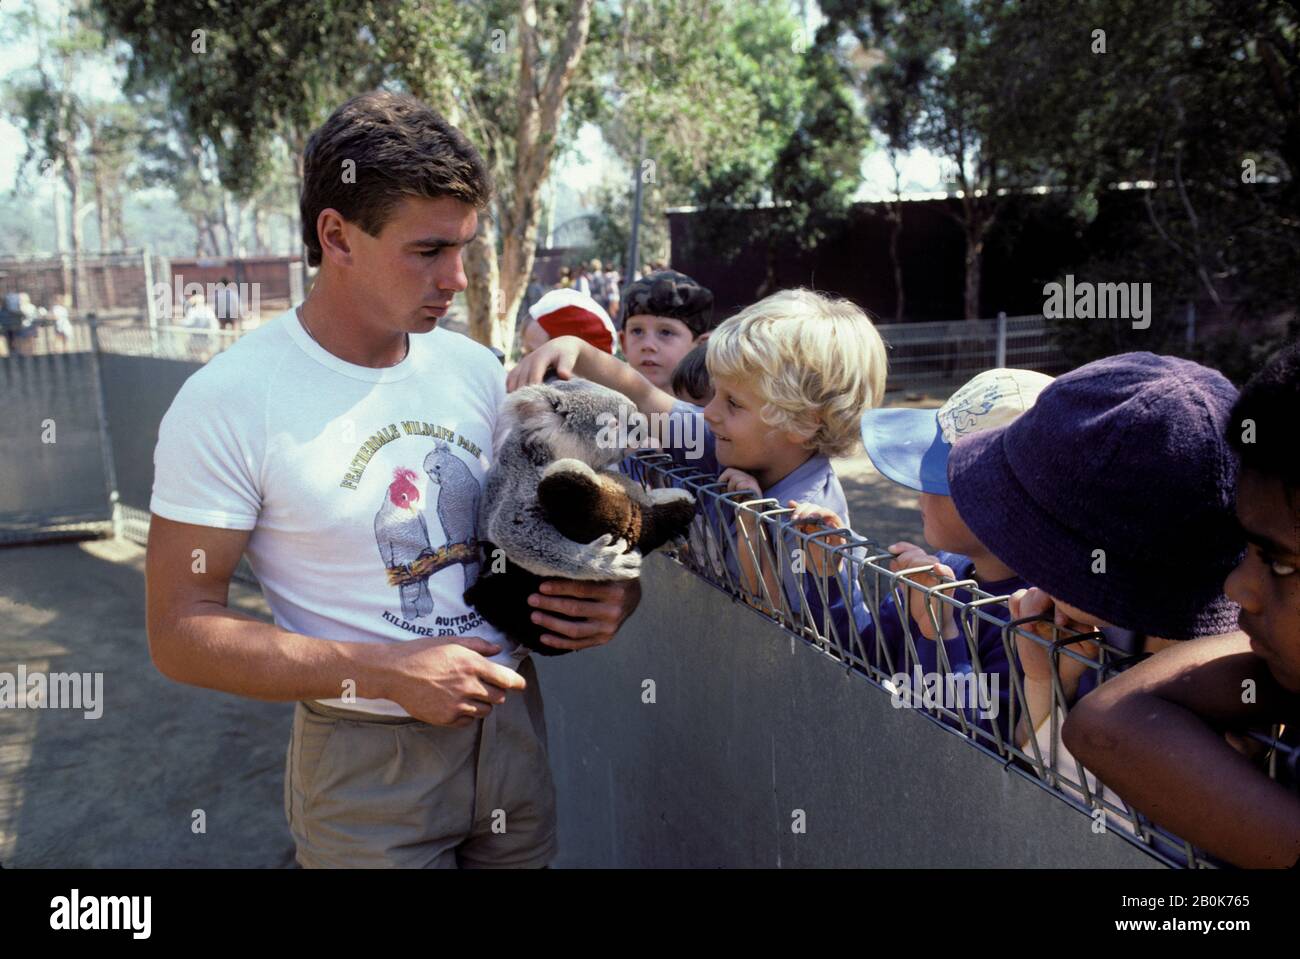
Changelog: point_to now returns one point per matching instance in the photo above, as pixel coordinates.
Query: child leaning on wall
(910, 447)
(1156, 733)
(1113, 495)
(792, 375)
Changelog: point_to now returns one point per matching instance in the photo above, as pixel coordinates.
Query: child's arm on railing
(752, 547)
(810, 518)
(910, 556)
(1035, 661)
(1154, 734)
(571, 356)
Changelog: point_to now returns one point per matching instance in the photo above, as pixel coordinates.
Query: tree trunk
(259, 230)
(117, 216)
(225, 224)
(72, 171)
(539, 109)
(895, 231)
(483, 294)
(974, 257)
(101, 207)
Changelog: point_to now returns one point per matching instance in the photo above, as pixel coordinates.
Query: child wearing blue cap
(911, 448)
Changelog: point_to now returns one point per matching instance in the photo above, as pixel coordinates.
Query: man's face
(1266, 583)
(654, 345)
(407, 275)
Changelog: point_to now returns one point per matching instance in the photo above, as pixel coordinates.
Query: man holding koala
(343, 446)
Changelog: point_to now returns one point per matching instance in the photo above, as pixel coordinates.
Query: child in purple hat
(1156, 733)
(1113, 495)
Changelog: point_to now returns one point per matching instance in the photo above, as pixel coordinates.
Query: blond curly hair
(816, 361)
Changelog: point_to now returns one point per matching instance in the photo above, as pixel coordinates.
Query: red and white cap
(569, 312)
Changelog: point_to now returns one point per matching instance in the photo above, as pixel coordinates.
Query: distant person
(599, 284)
(20, 323)
(200, 317)
(565, 281)
(62, 322)
(225, 301)
(582, 280)
(613, 293)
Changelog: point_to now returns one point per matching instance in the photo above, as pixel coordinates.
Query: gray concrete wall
(62, 481)
(137, 392)
(749, 725)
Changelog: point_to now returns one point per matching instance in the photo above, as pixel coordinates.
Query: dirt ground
(126, 789)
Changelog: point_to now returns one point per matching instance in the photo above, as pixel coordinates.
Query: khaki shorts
(389, 791)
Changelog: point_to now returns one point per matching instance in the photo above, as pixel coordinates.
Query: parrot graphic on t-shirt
(458, 494)
(403, 536)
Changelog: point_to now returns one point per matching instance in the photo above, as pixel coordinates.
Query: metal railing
(166, 342)
(857, 570)
(949, 353)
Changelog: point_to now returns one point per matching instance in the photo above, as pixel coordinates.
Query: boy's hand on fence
(737, 480)
(810, 518)
(909, 556)
(1035, 660)
(753, 550)
(560, 354)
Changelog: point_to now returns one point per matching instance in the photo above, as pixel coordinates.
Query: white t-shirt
(346, 475)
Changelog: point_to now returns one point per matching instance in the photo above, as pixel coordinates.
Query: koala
(553, 508)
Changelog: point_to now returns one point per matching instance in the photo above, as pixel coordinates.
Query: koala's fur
(555, 509)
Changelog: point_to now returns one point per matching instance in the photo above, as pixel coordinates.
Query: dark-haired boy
(665, 315)
(343, 445)
(1155, 734)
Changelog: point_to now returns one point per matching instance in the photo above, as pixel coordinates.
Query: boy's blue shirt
(815, 482)
(989, 645)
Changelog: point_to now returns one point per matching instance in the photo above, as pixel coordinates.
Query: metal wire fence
(834, 588)
(949, 353)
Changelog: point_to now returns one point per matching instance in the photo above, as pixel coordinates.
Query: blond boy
(792, 375)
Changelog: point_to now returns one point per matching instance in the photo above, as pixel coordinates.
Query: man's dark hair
(1263, 425)
(398, 147)
(692, 374)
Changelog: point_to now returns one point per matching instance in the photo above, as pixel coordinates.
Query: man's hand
(599, 608)
(447, 682)
(561, 353)
(910, 556)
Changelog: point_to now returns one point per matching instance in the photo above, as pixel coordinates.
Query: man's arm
(1154, 734)
(195, 638)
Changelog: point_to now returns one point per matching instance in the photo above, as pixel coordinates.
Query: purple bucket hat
(1125, 455)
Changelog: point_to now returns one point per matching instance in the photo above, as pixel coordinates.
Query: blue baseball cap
(911, 447)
